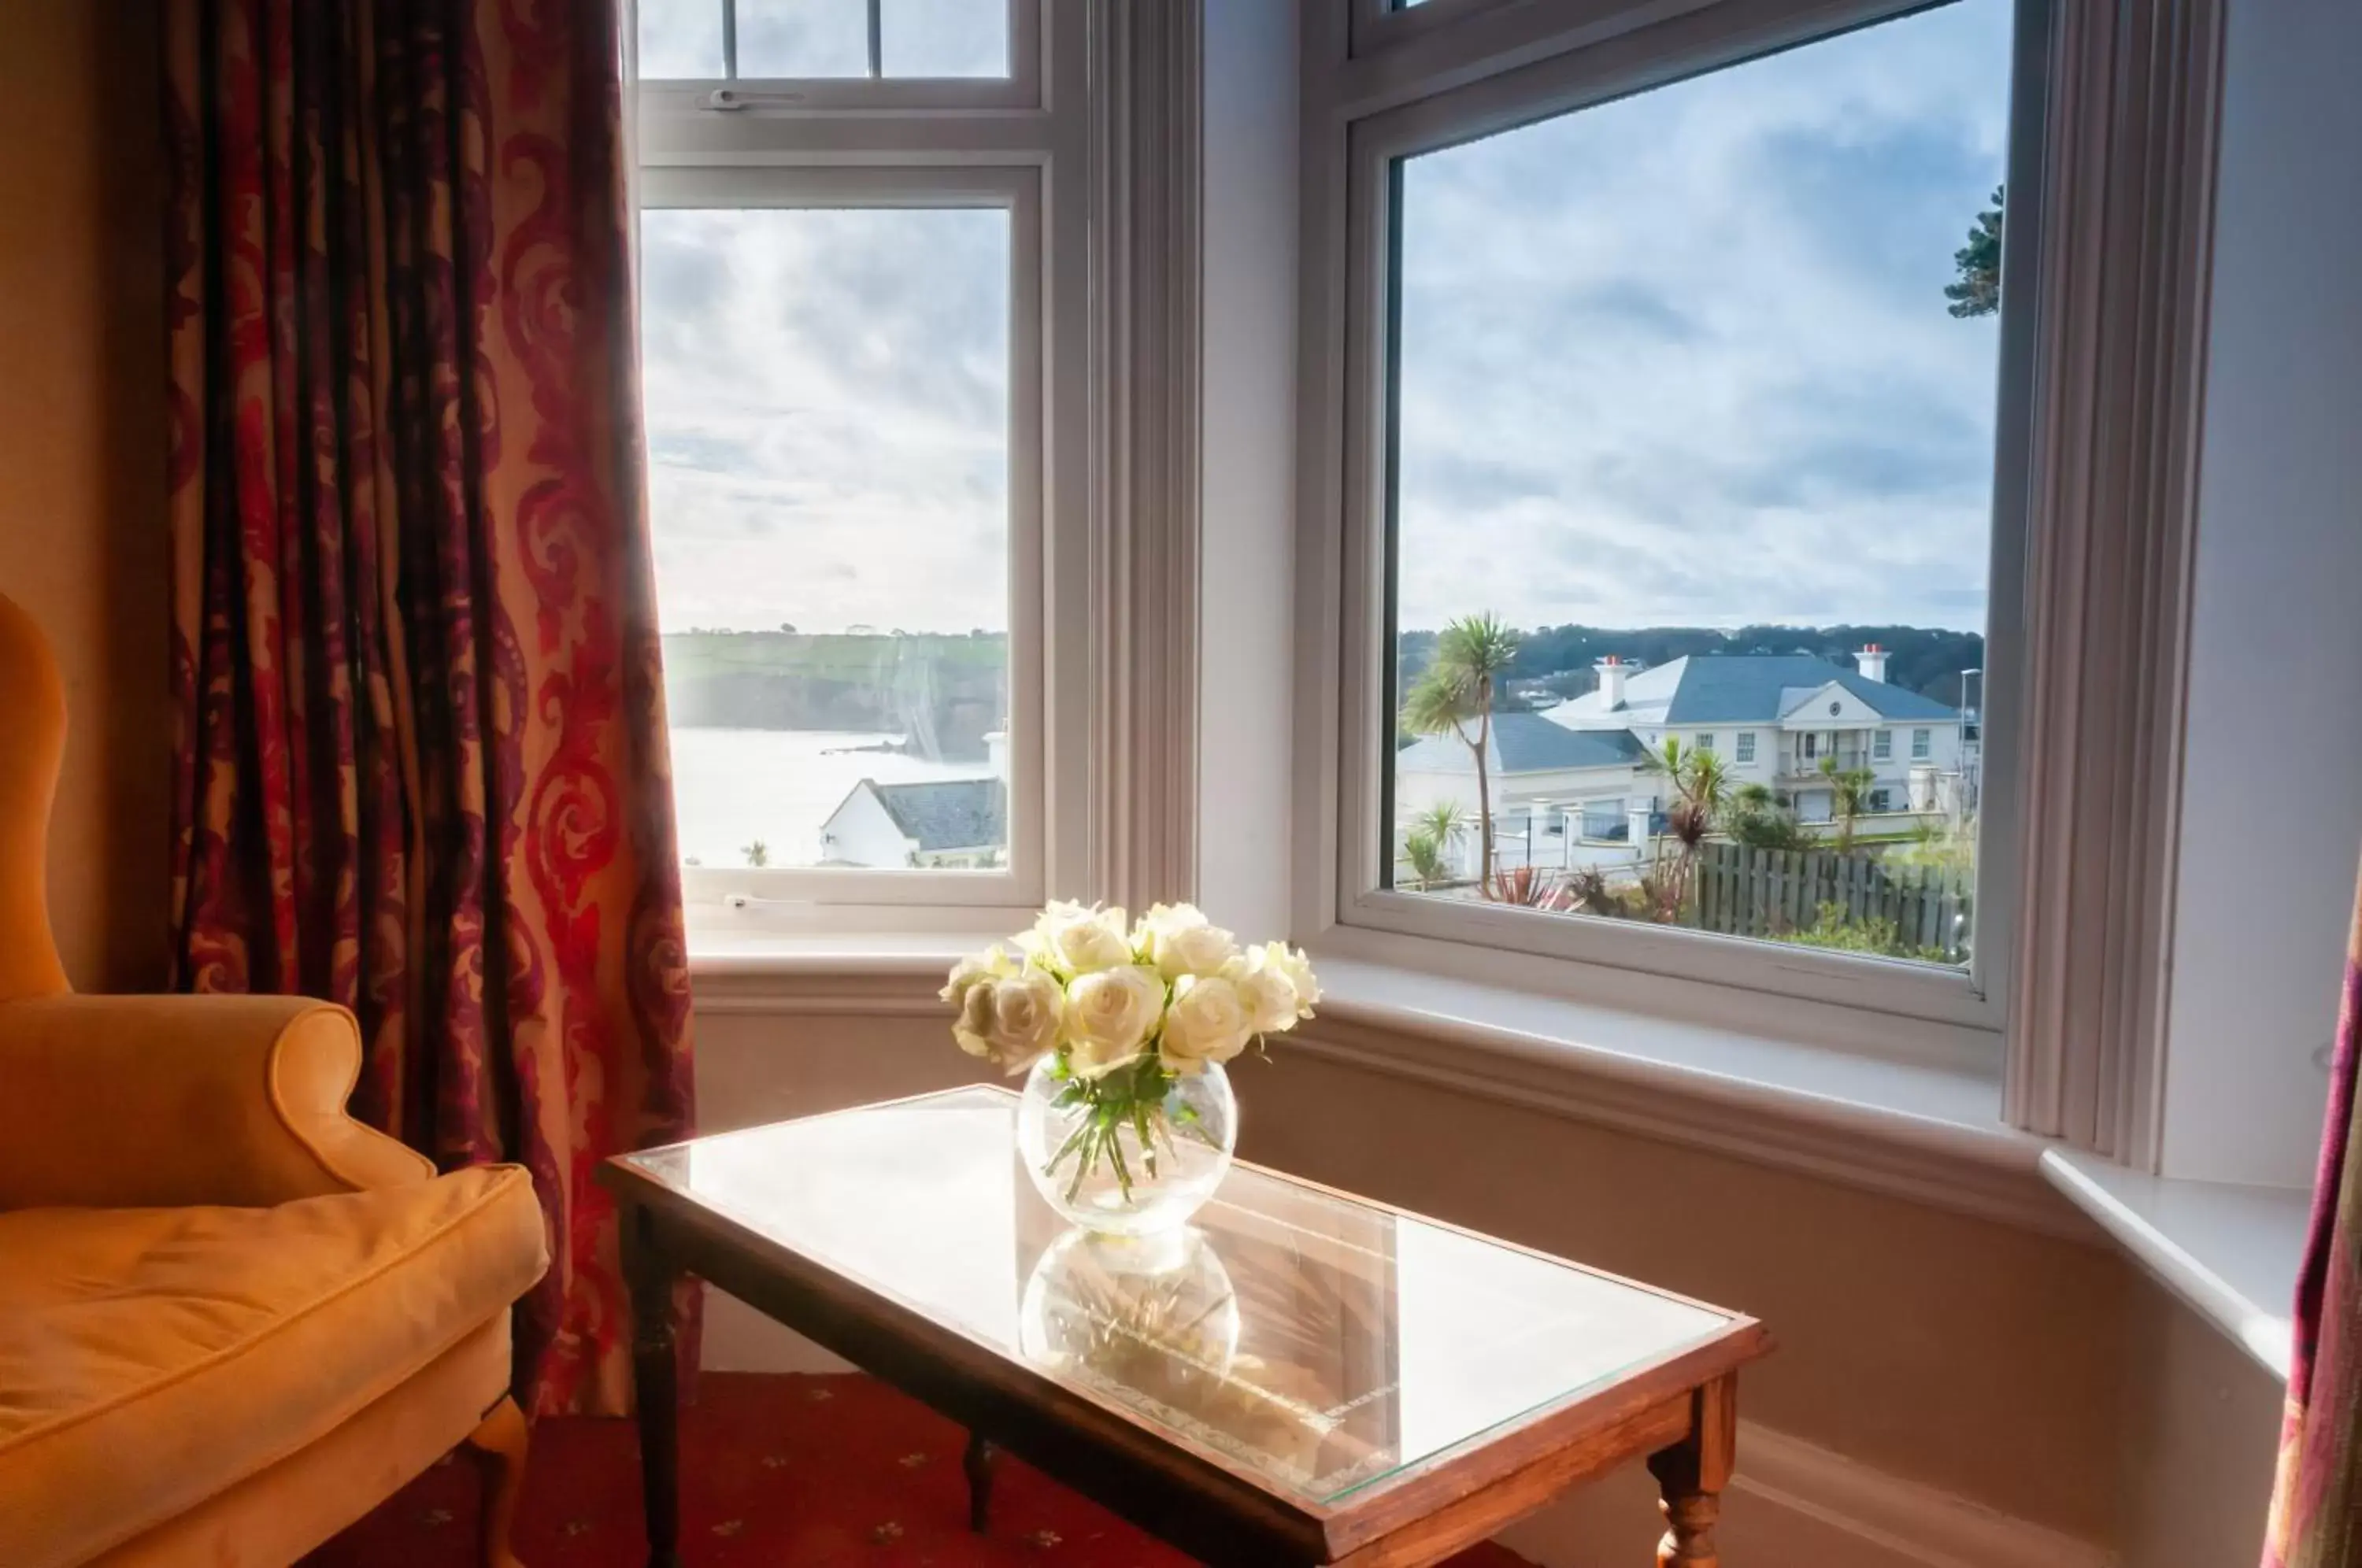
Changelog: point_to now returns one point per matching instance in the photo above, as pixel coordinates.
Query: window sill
(1928, 1132)
(2231, 1252)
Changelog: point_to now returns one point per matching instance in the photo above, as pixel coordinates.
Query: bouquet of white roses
(1122, 1011)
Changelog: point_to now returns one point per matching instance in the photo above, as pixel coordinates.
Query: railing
(1778, 892)
(1796, 764)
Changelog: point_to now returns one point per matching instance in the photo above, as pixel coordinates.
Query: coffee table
(1300, 1377)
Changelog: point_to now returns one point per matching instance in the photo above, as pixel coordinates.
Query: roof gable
(951, 814)
(1724, 689)
(1523, 743)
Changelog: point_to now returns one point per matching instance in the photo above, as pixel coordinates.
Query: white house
(1770, 718)
(954, 824)
(1773, 718)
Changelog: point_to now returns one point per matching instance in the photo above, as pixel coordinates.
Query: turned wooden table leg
(978, 1464)
(1690, 1475)
(655, 1385)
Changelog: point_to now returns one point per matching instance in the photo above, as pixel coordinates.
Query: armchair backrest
(32, 744)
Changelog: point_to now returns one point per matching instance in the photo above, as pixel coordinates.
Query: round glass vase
(1130, 1154)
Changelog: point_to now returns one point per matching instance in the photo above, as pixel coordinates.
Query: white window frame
(1923, 743)
(1471, 68)
(1020, 143)
(1745, 753)
(1706, 740)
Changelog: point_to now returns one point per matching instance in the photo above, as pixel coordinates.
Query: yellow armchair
(232, 1319)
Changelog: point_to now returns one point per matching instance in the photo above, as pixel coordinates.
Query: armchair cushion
(153, 1358)
(123, 1101)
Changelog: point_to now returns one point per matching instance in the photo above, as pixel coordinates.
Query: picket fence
(1743, 891)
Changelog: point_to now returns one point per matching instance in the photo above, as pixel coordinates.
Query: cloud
(1684, 357)
(828, 415)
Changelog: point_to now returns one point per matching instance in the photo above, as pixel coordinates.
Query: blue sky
(1681, 358)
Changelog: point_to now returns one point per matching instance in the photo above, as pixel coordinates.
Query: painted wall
(2276, 639)
(1247, 463)
(82, 453)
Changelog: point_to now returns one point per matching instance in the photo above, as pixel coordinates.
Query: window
(1668, 371)
(1923, 744)
(733, 40)
(1746, 746)
(850, 389)
(1882, 800)
(1882, 745)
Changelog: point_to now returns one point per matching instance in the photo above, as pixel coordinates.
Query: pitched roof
(952, 814)
(1523, 743)
(1741, 689)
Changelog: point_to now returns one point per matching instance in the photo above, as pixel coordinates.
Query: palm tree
(1472, 656)
(1428, 843)
(757, 853)
(1848, 798)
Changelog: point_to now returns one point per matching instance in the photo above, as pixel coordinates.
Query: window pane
(945, 38)
(1695, 420)
(804, 38)
(828, 433)
(681, 39)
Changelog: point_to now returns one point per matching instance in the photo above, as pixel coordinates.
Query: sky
(1678, 360)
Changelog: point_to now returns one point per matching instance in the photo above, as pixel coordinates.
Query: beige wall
(81, 452)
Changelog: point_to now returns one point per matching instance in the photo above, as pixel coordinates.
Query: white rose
(1076, 939)
(1206, 1023)
(1264, 989)
(991, 964)
(1011, 1019)
(1108, 1016)
(1180, 940)
(1293, 963)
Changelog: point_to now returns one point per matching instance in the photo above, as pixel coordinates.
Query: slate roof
(953, 813)
(1740, 689)
(1523, 743)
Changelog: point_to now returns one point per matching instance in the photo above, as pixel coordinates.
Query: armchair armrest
(116, 1102)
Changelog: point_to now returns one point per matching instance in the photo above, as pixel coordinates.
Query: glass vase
(1131, 1157)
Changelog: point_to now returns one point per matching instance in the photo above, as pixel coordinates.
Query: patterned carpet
(776, 1472)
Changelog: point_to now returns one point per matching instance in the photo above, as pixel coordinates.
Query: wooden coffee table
(1301, 1377)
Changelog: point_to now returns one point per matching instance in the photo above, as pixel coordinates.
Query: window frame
(1882, 745)
(1023, 88)
(915, 142)
(1386, 110)
(1923, 743)
(1743, 749)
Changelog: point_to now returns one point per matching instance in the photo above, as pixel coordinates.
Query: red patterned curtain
(2316, 1519)
(421, 726)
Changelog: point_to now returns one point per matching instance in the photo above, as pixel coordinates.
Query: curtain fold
(421, 742)
(2316, 1514)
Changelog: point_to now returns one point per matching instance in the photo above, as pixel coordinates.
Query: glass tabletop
(1318, 1344)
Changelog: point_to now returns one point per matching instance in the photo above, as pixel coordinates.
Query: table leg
(977, 1464)
(655, 1384)
(1691, 1473)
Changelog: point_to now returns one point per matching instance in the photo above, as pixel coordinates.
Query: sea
(732, 788)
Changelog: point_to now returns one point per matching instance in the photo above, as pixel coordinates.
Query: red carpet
(776, 1472)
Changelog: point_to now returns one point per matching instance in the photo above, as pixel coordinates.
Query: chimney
(1612, 671)
(1871, 661)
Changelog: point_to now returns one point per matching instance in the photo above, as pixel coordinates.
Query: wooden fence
(1774, 892)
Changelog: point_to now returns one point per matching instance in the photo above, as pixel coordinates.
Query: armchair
(232, 1319)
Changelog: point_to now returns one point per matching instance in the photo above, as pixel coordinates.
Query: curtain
(421, 741)
(2317, 1516)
